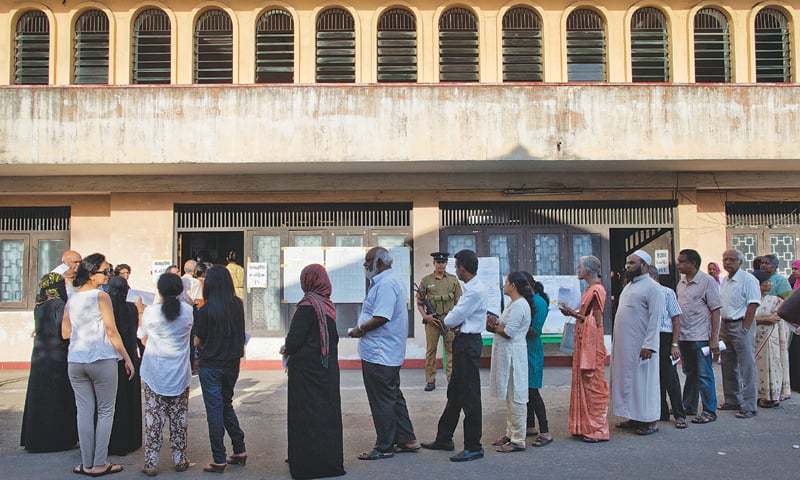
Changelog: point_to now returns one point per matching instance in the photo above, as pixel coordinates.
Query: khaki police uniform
(443, 294)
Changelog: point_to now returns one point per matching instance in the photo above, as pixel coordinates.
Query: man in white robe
(635, 387)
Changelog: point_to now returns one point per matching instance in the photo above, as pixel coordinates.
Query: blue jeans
(217, 385)
(700, 381)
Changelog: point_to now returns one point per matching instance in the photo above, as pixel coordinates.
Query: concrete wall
(183, 14)
(316, 129)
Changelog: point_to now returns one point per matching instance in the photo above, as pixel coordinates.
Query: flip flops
(541, 441)
(375, 454)
(705, 417)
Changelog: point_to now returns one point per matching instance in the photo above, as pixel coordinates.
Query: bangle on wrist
(674, 344)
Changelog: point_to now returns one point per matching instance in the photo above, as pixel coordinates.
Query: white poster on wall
(158, 267)
(256, 275)
(402, 264)
(489, 275)
(662, 262)
(345, 266)
(295, 259)
(561, 289)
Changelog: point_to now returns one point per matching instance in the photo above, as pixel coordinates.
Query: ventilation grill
(762, 214)
(221, 217)
(34, 219)
(575, 213)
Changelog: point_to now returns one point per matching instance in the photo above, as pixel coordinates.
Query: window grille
(213, 48)
(397, 46)
(336, 47)
(32, 49)
(522, 46)
(91, 48)
(275, 47)
(772, 47)
(510, 214)
(649, 46)
(458, 46)
(34, 219)
(586, 47)
(152, 45)
(712, 58)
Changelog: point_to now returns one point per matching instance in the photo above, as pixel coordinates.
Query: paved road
(729, 449)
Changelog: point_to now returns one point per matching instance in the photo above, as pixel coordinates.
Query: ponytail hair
(169, 287)
(88, 267)
(523, 286)
(538, 287)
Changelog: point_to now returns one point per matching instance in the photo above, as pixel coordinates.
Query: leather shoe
(435, 445)
(429, 387)
(467, 455)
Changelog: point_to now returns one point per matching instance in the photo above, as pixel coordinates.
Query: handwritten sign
(662, 262)
(256, 275)
(158, 268)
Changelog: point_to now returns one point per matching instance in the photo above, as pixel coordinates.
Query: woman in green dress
(536, 408)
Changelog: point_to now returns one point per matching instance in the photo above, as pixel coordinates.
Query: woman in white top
(95, 346)
(509, 374)
(166, 372)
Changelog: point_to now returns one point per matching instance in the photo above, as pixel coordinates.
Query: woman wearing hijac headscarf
(314, 409)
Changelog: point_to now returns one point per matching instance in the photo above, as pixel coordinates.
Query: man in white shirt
(741, 295)
(467, 318)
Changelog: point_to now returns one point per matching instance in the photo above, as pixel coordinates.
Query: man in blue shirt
(382, 330)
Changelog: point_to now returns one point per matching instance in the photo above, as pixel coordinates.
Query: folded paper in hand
(148, 298)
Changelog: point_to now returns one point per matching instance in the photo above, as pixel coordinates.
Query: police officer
(442, 290)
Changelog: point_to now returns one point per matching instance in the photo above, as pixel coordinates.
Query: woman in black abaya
(48, 422)
(315, 409)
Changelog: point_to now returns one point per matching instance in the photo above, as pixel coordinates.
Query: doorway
(210, 247)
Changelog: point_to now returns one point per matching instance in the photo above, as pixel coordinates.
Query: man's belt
(731, 320)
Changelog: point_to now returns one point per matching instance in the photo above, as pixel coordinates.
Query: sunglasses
(107, 272)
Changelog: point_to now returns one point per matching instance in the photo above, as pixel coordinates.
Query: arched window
(522, 46)
(32, 49)
(772, 47)
(649, 46)
(397, 46)
(213, 48)
(275, 47)
(712, 48)
(458, 46)
(336, 47)
(91, 48)
(152, 43)
(586, 47)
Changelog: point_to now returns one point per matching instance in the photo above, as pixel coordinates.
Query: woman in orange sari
(588, 404)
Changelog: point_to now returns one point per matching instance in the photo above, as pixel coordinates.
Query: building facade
(534, 132)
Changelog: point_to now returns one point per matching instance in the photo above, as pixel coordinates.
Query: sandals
(680, 423)
(111, 468)
(705, 417)
(509, 448)
(586, 439)
(408, 447)
(762, 403)
(501, 441)
(375, 454)
(215, 468)
(541, 441)
(745, 414)
(237, 460)
(647, 429)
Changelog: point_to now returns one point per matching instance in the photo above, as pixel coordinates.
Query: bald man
(69, 266)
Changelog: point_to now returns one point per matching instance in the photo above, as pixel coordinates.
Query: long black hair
(536, 287)
(222, 304)
(523, 286)
(88, 267)
(118, 291)
(169, 287)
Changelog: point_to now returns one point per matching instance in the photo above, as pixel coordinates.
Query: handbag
(568, 337)
(789, 310)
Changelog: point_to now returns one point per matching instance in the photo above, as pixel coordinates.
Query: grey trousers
(95, 386)
(739, 372)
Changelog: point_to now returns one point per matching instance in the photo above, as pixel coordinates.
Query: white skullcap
(646, 258)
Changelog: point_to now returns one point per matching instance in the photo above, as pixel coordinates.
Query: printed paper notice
(345, 267)
(158, 268)
(148, 298)
(662, 262)
(564, 289)
(256, 275)
(295, 259)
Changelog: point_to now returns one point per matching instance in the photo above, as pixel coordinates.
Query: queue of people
(88, 373)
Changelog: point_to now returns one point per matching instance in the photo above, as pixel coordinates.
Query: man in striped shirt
(669, 351)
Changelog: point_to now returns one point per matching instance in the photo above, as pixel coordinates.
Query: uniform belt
(729, 320)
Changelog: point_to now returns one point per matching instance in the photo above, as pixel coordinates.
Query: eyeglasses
(107, 272)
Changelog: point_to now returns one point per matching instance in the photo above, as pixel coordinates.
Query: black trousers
(670, 383)
(464, 393)
(536, 410)
(388, 406)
